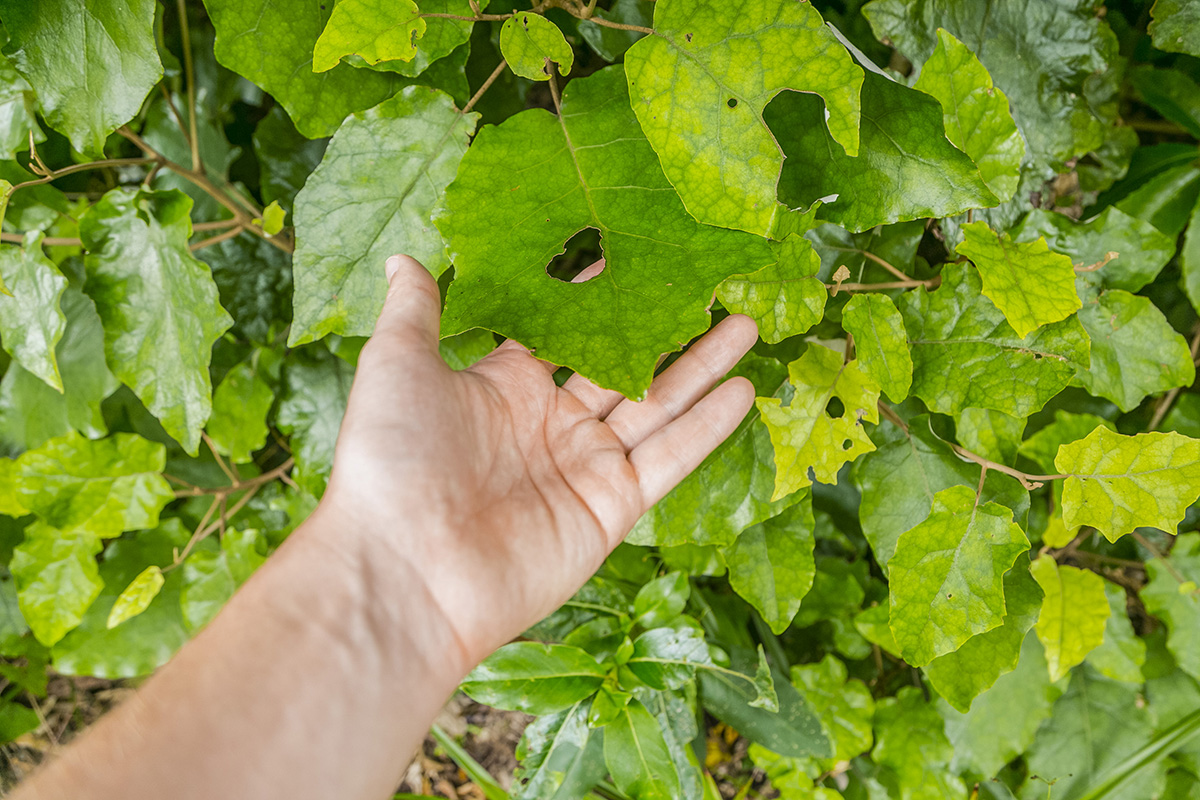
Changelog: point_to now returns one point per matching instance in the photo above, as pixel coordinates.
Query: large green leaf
(559, 756)
(140, 645)
(1176, 26)
(1029, 284)
(637, 756)
(947, 575)
(18, 111)
(57, 578)
(240, 407)
(700, 82)
(370, 29)
(1004, 719)
(731, 490)
(880, 342)
(1141, 249)
(976, 114)
(1117, 483)
(534, 678)
(909, 740)
(899, 481)
(1073, 616)
(91, 63)
(1122, 653)
(102, 487)
(158, 304)
(961, 676)
(771, 564)
(805, 434)
(314, 401)
(31, 323)
(370, 198)
(966, 355)
(991, 434)
(1171, 601)
(844, 706)
(1135, 351)
(542, 179)
(1044, 56)
(907, 168)
(1094, 726)
(270, 42)
(443, 36)
(32, 412)
(785, 298)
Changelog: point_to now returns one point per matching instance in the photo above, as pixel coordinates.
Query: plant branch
(238, 486)
(487, 84)
(911, 283)
(1109, 256)
(220, 237)
(49, 241)
(55, 174)
(189, 72)
(620, 26)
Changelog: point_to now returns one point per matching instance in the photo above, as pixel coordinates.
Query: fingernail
(391, 267)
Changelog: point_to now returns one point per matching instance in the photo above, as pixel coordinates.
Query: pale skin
(463, 507)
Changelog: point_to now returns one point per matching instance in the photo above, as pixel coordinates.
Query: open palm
(504, 490)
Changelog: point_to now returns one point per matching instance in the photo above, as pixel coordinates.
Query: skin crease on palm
(463, 507)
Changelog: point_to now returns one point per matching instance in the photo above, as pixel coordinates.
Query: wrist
(392, 608)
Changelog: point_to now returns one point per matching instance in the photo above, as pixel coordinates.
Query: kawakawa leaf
(907, 168)
(880, 342)
(1029, 284)
(31, 322)
(542, 179)
(528, 39)
(1135, 351)
(371, 197)
(373, 30)
(1176, 26)
(57, 578)
(157, 302)
(806, 435)
(270, 43)
(966, 355)
(947, 575)
(1074, 613)
(700, 82)
(785, 298)
(1117, 483)
(1165, 597)
(976, 113)
(91, 64)
(771, 564)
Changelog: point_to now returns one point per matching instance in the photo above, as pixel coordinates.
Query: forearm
(318, 680)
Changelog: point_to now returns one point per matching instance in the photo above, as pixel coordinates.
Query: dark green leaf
(314, 400)
(637, 756)
(534, 678)
(771, 564)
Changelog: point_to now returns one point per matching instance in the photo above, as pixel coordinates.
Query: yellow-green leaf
(783, 298)
(137, 596)
(1029, 284)
(1116, 483)
(272, 219)
(375, 30)
(880, 342)
(528, 39)
(947, 575)
(1074, 614)
(806, 435)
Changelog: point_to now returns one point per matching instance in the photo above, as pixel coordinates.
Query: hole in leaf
(835, 407)
(731, 102)
(580, 252)
(846, 445)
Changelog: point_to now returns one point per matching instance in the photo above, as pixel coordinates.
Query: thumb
(412, 309)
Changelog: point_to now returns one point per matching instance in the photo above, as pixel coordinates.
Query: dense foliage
(954, 548)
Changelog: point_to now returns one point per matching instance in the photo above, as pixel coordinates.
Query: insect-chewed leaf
(708, 70)
(783, 298)
(371, 29)
(542, 179)
(806, 435)
(1073, 616)
(534, 678)
(1117, 483)
(528, 39)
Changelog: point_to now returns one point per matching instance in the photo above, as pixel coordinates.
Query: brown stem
(554, 90)
(215, 225)
(1109, 256)
(49, 241)
(607, 23)
(1030, 482)
(55, 174)
(265, 478)
(189, 72)
(869, 287)
(476, 18)
(486, 85)
(220, 237)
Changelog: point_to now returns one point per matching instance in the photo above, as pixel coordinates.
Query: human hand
(501, 490)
